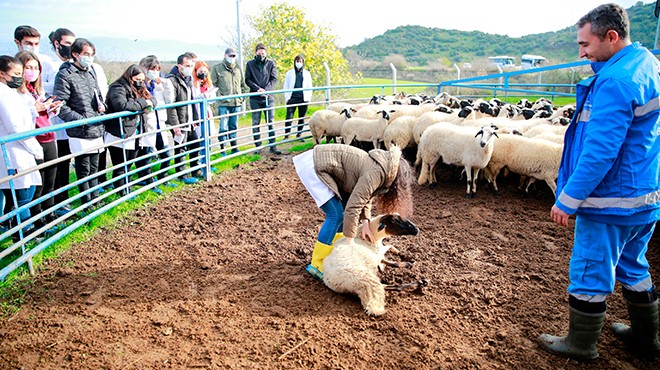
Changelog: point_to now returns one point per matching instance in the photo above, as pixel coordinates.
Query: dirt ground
(213, 277)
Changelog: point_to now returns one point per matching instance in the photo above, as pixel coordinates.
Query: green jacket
(229, 81)
(349, 170)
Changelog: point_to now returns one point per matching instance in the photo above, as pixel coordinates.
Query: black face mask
(138, 84)
(15, 82)
(202, 76)
(65, 51)
(260, 58)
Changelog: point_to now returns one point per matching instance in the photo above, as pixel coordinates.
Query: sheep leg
(474, 181)
(396, 264)
(415, 285)
(468, 173)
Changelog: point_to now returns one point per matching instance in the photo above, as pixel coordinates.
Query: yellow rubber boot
(321, 251)
(337, 237)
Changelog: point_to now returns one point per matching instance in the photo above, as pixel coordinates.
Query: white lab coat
(290, 82)
(16, 117)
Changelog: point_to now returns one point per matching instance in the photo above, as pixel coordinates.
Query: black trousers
(62, 176)
(144, 163)
(302, 111)
(87, 165)
(48, 177)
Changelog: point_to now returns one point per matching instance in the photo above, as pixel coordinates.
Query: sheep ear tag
(381, 226)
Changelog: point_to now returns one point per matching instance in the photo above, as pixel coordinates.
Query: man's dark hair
(25, 31)
(183, 56)
(79, 44)
(260, 46)
(607, 17)
(58, 33)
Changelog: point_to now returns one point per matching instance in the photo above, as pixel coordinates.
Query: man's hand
(559, 216)
(177, 131)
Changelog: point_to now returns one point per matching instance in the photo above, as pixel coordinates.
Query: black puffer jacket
(182, 92)
(122, 98)
(79, 91)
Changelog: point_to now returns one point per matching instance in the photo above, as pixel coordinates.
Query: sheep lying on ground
(353, 267)
(328, 123)
(457, 145)
(363, 129)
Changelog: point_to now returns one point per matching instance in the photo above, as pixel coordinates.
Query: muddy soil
(213, 277)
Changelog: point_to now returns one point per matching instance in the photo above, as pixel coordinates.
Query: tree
(286, 33)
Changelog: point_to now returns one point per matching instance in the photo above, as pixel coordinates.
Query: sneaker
(190, 180)
(157, 191)
(62, 211)
(316, 274)
(141, 183)
(198, 174)
(172, 184)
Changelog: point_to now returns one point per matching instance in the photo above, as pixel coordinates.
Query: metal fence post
(458, 77)
(327, 83)
(393, 68)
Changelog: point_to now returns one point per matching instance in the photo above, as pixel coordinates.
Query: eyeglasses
(232, 55)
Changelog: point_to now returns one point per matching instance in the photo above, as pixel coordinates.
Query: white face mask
(34, 49)
(86, 61)
(153, 74)
(187, 71)
(299, 65)
(230, 60)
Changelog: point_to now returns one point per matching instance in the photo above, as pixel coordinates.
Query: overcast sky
(209, 21)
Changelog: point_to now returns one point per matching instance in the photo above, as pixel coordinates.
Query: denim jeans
(334, 219)
(23, 196)
(260, 103)
(228, 126)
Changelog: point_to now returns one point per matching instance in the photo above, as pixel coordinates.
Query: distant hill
(422, 45)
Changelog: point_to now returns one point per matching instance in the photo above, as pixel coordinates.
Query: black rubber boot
(583, 331)
(641, 336)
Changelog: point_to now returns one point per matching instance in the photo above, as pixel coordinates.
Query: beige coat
(349, 170)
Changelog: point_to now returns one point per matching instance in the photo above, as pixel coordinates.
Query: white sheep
(448, 116)
(328, 123)
(364, 129)
(535, 158)
(400, 132)
(546, 129)
(353, 267)
(455, 145)
(340, 106)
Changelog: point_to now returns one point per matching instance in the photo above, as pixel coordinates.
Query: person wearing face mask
(261, 76)
(203, 88)
(27, 38)
(77, 87)
(42, 109)
(181, 119)
(128, 93)
(297, 78)
(16, 117)
(161, 89)
(228, 78)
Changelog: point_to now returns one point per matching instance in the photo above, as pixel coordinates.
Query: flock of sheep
(524, 138)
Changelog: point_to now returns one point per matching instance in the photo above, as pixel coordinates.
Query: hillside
(422, 45)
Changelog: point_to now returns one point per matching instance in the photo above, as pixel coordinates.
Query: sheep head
(487, 132)
(386, 225)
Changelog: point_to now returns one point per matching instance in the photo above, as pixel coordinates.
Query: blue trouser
(334, 219)
(23, 197)
(228, 125)
(603, 253)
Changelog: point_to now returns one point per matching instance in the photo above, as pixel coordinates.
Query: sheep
(340, 106)
(400, 132)
(328, 123)
(352, 267)
(457, 145)
(525, 156)
(545, 129)
(430, 118)
(363, 129)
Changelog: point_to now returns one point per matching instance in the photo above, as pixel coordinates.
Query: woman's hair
(196, 79)
(7, 61)
(24, 57)
(149, 62)
(57, 35)
(79, 44)
(398, 197)
(132, 71)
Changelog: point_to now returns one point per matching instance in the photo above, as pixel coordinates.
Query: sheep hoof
(433, 186)
(407, 265)
(470, 195)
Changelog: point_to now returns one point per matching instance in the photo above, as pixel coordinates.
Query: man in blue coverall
(608, 178)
